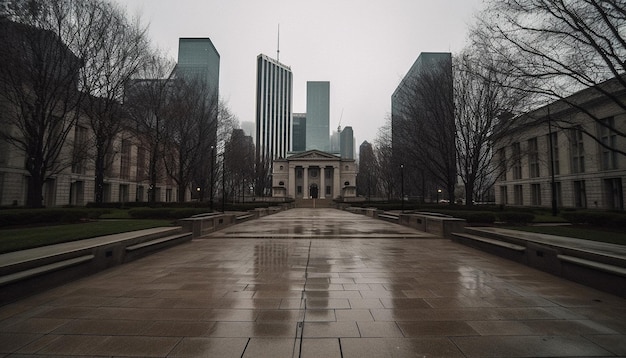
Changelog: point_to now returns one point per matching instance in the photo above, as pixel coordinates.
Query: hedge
(512, 217)
(19, 217)
(165, 213)
(595, 218)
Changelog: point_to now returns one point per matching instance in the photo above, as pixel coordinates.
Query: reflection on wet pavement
(317, 283)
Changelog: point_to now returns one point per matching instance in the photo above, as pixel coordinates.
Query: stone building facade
(314, 174)
(126, 181)
(588, 170)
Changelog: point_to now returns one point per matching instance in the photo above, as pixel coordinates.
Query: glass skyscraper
(299, 132)
(273, 110)
(318, 115)
(198, 59)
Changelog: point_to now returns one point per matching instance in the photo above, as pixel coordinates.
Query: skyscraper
(346, 143)
(198, 59)
(273, 116)
(318, 115)
(299, 132)
(422, 126)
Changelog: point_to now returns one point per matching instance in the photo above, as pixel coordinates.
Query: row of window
(612, 194)
(608, 155)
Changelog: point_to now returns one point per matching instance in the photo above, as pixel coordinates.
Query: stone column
(305, 184)
(322, 190)
(292, 181)
(336, 181)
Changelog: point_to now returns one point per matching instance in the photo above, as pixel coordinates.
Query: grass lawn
(580, 232)
(26, 238)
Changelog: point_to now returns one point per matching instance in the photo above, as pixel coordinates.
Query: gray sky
(363, 47)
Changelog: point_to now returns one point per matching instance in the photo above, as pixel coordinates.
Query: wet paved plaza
(317, 283)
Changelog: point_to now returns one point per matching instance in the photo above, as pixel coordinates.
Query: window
(281, 183)
(327, 173)
(535, 194)
(608, 138)
(313, 173)
(299, 173)
(533, 158)
(580, 196)
(555, 153)
(299, 189)
(578, 151)
(517, 161)
(123, 193)
(327, 189)
(614, 194)
(141, 165)
(504, 197)
(518, 196)
(80, 139)
(502, 163)
(125, 160)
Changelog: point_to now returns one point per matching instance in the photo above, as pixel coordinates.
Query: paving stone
(372, 289)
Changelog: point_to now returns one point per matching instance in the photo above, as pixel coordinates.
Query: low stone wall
(433, 223)
(204, 224)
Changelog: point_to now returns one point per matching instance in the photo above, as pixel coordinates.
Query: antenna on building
(339, 125)
(278, 46)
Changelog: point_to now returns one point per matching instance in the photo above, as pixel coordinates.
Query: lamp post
(212, 170)
(552, 182)
(402, 185)
(199, 196)
(438, 192)
(223, 182)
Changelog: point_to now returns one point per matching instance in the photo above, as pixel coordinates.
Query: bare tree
(190, 128)
(558, 47)
(367, 177)
(484, 102)
(114, 49)
(424, 128)
(38, 86)
(239, 163)
(147, 101)
(386, 171)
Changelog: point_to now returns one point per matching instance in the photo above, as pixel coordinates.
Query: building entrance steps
(317, 283)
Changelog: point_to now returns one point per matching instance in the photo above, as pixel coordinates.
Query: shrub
(596, 218)
(516, 217)
(19, 217)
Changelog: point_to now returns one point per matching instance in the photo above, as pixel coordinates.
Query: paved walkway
(317, 283)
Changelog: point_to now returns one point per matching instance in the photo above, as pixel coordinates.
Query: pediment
(313, 154)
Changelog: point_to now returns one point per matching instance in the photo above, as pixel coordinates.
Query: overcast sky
(363, 47)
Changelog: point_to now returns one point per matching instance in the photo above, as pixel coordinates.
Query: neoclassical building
(314, 175)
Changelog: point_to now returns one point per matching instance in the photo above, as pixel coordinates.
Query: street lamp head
(401, 165)
(198, 189)
(439, 190)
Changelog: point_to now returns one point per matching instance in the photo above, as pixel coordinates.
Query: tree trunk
(35, 191)
(99, 189)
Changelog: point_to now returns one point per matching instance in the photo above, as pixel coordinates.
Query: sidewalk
(317, 283)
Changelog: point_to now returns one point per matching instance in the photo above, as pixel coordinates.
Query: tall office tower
(422, 122)
(298, 143)
(198, 59)
(273, 116)
(318, 115)
(346, 142)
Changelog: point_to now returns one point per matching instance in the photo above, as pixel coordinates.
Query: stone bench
(159, 242)
(41, 270)
(389, 216)
(612, 269)
(488, 241)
